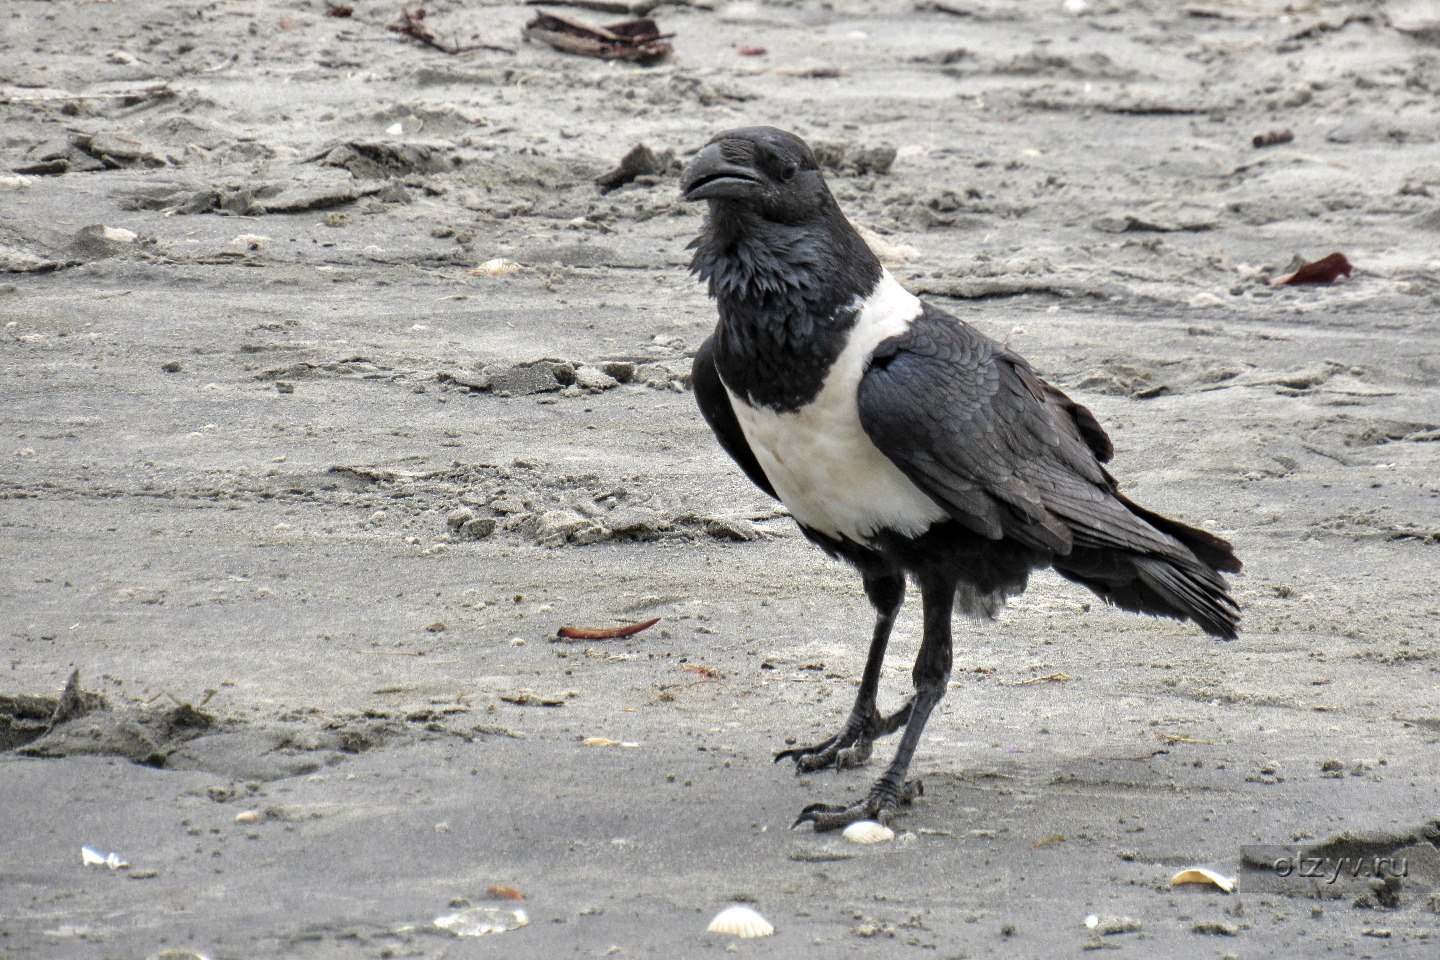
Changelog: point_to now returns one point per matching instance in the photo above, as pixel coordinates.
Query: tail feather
(1209, 549)
(1183, 582)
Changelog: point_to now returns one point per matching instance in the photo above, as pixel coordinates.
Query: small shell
(742, 922)
(249, 816)
(497, 267)
(868, 831)
(1204, 875)
(120, 235)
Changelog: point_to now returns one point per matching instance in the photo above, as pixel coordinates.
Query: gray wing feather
(1004, 452)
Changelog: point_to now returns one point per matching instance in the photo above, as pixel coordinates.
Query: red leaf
(604, 633)
(505, 892)
(1327, 270)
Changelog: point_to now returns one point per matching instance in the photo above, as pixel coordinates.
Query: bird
(908, 444)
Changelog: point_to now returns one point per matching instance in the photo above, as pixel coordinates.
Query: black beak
(711, 177)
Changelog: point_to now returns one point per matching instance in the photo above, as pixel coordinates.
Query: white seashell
(395, 129)
(496, 267)
(1204, 875)
(740, 921)
(868, 831)
(249, 816)
(93, 858)
(252, 240)
(120, 235)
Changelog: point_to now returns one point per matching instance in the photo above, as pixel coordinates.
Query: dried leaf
(604, 633)
(1326, 270)
(504, 892)
(639, 41)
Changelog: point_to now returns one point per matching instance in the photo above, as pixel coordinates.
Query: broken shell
(481, 921)
(742, 922)
(1204, 875)
(497, 267)
(607, 742)
(868, 831)
(249, 816)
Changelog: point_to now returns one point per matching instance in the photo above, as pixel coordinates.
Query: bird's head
(762, 171)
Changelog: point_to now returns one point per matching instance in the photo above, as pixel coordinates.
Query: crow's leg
(932, 672)
(851, 746)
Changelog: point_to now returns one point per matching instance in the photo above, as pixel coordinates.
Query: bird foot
(849, 748)
(878, 806)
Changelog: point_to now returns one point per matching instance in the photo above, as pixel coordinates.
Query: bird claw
(849, 748)
(878, 806)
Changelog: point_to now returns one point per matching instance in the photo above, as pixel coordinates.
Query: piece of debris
(1049, 841)
(480, 921)
(1326, 270)
(94, 858)
(1206, 876)
(495, 267)
(607, 742)
(1272, 138)
(1048, 678)
(637, 41)
(413, 25)
(641, 161)
(752, 51)
(630, 8)
(340, 10)
(604, 633)
(504, 892)
(740, 921)
(249, 816)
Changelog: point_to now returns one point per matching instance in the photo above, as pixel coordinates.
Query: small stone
(1203, 300)
(457, 518)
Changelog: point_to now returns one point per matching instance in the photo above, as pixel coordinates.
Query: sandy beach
(340, 371)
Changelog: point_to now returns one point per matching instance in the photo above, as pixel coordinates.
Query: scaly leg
(851, 746)
(931, 674)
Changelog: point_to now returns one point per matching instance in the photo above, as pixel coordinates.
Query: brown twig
(413, 25)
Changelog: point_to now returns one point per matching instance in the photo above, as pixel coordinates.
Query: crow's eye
(789, 172)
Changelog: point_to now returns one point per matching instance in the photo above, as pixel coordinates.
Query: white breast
(819, 459)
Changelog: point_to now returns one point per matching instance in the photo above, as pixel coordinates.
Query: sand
(304, 498)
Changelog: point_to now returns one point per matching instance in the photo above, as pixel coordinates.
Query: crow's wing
(1004, 452)
(715, 407)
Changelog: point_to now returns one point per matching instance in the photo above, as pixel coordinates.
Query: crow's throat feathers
(787, 295)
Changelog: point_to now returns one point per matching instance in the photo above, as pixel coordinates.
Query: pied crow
(907, 443)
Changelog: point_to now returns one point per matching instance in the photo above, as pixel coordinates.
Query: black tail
(1184, 587)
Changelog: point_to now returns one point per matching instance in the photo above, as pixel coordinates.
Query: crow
(906, 443)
